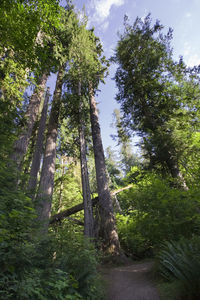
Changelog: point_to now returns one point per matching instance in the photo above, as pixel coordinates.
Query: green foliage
(59, 266)
(19, 26)
(157, 212)
(131, 240)
(180, 260)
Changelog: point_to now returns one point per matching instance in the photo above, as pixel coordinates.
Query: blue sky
(107, 18)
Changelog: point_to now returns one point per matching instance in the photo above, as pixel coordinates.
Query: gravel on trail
(132, 282)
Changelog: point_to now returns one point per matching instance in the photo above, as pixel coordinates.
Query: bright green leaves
(18, 27)
(20, 24)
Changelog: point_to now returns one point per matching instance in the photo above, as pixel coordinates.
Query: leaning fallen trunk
(73, 210)
(70, 211)
(45, 191)
(107, 231)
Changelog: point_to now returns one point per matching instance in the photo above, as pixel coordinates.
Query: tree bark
(88, 213)
(108, 231)
(21, 145)
(46, 185)
(61, 184)
(35, 166)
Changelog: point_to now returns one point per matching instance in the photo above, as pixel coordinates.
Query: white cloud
(104, 26)
(190, 55)
(102, 8)
(188, 15)
(186, 49)
(193, 60)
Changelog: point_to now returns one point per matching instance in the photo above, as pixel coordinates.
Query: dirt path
(132, 282)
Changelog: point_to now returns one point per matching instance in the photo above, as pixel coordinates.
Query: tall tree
(45, 191)
(35, 166)
(155, 93)
(21, 144)
(90, 65)
(108, 231)
(88, 213)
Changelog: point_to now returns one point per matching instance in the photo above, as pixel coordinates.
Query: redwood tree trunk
(107, 231)
(175, 172)
(88, 213)
(21, 145)
(35, 166)
(46, 185)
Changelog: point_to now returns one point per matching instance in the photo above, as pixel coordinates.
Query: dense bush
(157, 212)
(131, 240)
(78, 255)
(60, 266)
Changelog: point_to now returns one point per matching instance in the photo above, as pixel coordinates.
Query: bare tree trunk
(108, 231)
(21, 145)
(46, 185)
(88, 213)
(35, 166)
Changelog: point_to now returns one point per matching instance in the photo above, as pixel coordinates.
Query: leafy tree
(88, 66)
(159, 97)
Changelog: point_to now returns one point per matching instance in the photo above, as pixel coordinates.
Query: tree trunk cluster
(42, 195)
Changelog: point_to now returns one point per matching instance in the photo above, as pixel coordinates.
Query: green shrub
(61, 266)
(78, 255)
(131, 239)
(157, 212)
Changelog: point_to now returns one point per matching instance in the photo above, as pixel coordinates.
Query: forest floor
(130, 282)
